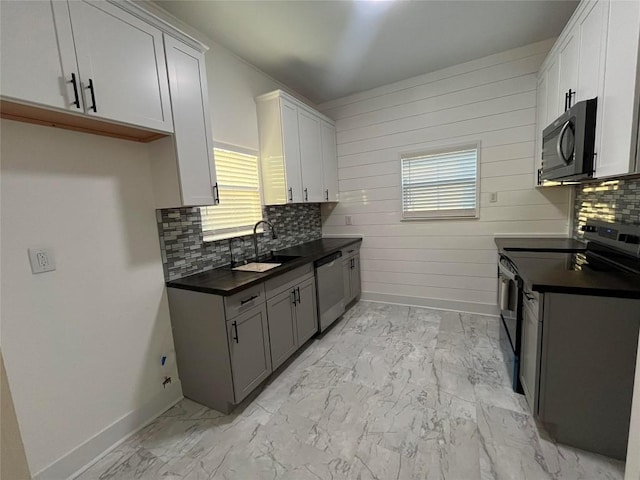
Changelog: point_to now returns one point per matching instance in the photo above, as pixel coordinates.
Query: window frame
(442, 214)
(209, 235)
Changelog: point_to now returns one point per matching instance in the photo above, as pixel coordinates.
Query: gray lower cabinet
(227, 345)
(306, 311)
(282, 327)
(248, 338)
(292, 312)
(351, 274)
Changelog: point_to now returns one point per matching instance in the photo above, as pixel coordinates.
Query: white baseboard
(86, 454)
(440, 304)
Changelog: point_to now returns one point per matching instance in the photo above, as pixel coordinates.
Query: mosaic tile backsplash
(185, 253)
(610, 201)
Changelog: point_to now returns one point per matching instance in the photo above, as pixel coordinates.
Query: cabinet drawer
(283, 282)
(350, 251)
(243, 301)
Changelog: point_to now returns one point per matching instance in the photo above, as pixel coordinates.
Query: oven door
(508, 302)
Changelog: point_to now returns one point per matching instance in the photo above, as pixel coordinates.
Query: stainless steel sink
(258, 267)
(265, 264)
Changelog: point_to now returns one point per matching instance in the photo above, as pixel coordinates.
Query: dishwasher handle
(328, 259)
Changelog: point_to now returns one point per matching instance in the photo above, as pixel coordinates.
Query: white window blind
(240, 202)
(440, 184)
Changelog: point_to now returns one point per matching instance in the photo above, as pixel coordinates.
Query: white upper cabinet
(290, 133)
(122, 66)
(297, 151)
(311, 156)
(596, 56)
(37, 53)
(568, 70)
(619, 120)
(90, 58)
(183, 166)
(329, 162)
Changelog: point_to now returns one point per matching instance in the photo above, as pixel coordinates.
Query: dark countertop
(539, 244)
(549, 272)
(224, 281)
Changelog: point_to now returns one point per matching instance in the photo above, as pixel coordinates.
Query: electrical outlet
(347, 220)
(41, 260)
(494, 197)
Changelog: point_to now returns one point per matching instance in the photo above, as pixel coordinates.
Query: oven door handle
(559, 144)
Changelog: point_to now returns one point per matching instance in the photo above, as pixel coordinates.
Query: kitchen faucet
(255, 235)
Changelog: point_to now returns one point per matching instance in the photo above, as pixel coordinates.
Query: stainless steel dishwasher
(330, 289)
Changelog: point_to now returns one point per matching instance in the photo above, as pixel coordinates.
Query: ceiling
(328, 49)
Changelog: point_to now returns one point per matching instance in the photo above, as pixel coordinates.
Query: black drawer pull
(93, 96)
(235, 329)
(75, 90)
(290, 194)
(242, 302)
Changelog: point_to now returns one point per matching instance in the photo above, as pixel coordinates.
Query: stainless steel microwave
(568, 144)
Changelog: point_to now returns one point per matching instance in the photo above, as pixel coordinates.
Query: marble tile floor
(390, 392)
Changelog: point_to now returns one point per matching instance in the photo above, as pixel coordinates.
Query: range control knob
(627, 238)
(589, 228)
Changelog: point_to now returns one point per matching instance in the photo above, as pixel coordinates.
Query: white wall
(82, 344)
(445, 263)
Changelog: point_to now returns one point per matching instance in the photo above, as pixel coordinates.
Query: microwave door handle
(559, 143)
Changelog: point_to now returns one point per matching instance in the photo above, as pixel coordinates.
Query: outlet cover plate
(41, 260)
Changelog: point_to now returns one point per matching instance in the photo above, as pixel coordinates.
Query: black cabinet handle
(253, 297)
(566, 101)
(539, 176)
(571, 94)
(306, 195)
(216, 194)
(326, 194)
(352, 263)
(235, 329)
(93, 96)
(295, 299)
(290, 194)
(298, 293)
(74, 82)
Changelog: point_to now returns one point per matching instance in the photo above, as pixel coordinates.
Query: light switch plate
(41, 260)
(347, 220)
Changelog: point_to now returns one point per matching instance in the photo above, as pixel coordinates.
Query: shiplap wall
(443, 263)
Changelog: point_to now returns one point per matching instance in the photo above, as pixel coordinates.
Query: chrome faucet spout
(255, 235)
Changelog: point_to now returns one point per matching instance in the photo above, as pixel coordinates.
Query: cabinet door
(619, 121)
(541, 123)
(248, 337)
(190, 105)
(591, 30)
(291, 150)
(306, 311)
(346, 278)
(568, 59)
(122, 66)
(329, 163)
(310, 156)
(529, 357)
(354, 278)
(282, 329)
(554, 105)
(38, 55)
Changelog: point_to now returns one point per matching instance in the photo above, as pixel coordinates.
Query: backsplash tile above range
(608, 201)
(185, 253)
